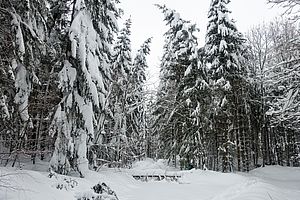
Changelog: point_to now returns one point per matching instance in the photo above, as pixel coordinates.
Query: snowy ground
(270, 183)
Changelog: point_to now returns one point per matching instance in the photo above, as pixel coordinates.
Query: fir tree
(177, 62)
(25, 67)
(82, 84)
(122, 64)
(196, 102)
(104, 16)
(137, 125)
(223, 55)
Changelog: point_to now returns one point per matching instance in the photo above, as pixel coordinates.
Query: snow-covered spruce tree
(223, 54)
(25, 66)
(7, 78)
(122, 64)
(6, 55)
(136, 120)
(196, 101)
(104, 15)
(82, 82)
(152, 145)
(173, 115)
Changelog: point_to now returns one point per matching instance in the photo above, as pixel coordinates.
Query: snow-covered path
(192, 186)
(270, 183)
(199, 185)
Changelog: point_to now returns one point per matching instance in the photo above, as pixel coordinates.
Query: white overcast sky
(147, 21)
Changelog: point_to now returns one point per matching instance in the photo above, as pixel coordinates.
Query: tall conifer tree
(178, 60)
(82, 82)
(137, 125)
(224, 56)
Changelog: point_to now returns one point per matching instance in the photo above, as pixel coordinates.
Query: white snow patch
(267, 183)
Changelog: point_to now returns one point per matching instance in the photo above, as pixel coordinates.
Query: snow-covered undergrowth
(269, 183)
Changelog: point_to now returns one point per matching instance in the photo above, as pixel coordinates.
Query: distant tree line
(72, 90)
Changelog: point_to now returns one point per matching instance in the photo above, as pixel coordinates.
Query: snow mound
(278, 173)
(18, 184)
(150, 164)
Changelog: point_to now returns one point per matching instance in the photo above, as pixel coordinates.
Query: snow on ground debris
(269, 183)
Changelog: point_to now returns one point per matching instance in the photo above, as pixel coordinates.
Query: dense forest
(73, 92)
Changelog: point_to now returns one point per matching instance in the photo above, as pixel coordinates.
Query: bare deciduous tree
(292, 7)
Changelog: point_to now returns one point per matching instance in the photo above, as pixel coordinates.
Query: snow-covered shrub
(63, 182)
(98, 192)
(66, 183)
